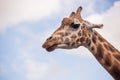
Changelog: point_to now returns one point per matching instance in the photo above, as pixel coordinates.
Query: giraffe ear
(78, 13)
(96, 26)
(72, 15)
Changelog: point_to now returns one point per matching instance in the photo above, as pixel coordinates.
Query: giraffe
(74, 31)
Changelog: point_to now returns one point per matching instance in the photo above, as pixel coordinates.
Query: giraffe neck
(106, 54)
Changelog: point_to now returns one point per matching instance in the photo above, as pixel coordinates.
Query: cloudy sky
(25, 25)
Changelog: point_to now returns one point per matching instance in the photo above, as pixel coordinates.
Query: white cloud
(67, 6)
(32, 69)
(95, 18)
(81, 51)
(110, 19)
(16, 11)
(37, 70)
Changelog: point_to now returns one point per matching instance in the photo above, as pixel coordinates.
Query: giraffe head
(72, 33)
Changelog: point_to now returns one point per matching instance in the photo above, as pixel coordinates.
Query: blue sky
(25, 25)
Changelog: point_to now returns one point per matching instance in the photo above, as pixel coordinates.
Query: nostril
(43, 46)
(49, 38)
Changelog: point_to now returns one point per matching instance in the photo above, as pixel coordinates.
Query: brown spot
(82, 39)
(83, 26)
(116, 72)
(111, 49)
(106, 46)
(66, 39)
(92, 48)
(60, 33)
(79, 33)
(94, 39)
(95, 33)
(89, 43)
(73, 36)
(84, 33)
(68, 43)
(89, 35)
(66, 34)
(117, 56)
(73, 44)
(100, 52)
(108, 60)
(87, 40)
(101, 39)
(77, 41)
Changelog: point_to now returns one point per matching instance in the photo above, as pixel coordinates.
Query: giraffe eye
(75, 26)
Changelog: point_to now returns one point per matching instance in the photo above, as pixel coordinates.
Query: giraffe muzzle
(49, 47)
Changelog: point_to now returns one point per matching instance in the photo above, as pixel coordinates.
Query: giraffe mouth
(51, 48)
